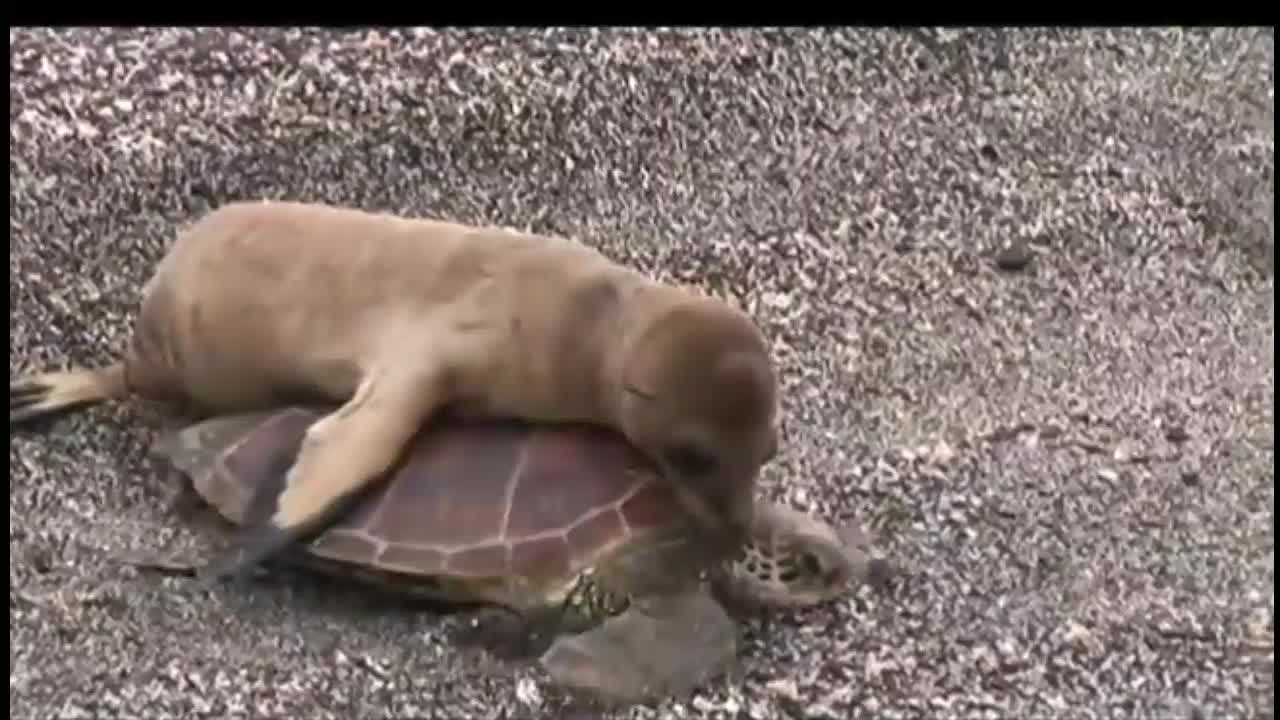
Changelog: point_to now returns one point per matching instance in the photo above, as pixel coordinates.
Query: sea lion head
(700, 397)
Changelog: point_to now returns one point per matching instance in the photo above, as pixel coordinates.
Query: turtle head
(699, 397)
(791, 559)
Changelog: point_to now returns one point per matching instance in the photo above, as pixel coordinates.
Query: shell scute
(259, 459)
(564, 476)
(349, 547)
(486, 561)
(412, 559)
(451, 490)
(544, 558)
(649, 507)
(594, 533)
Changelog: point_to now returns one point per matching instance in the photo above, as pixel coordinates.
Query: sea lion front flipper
(342, 456)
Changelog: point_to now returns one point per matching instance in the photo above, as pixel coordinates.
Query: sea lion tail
(48, 394)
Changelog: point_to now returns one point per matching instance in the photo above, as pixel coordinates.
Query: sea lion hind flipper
(343, 456)
(47, 395)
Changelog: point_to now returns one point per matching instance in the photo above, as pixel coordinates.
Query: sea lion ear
(646, 358)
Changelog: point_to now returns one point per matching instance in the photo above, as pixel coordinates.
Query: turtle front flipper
(660, 646)
(792, 559)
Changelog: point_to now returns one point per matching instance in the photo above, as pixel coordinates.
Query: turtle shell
(475, 510)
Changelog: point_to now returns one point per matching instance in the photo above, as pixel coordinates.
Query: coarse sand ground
(1019, 284)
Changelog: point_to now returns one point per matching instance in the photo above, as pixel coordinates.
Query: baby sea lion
(259, 304)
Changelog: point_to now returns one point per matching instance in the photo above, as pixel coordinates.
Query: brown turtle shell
(471, 500)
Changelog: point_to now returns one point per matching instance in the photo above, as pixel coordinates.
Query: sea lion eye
(811, 564)
(690, 461)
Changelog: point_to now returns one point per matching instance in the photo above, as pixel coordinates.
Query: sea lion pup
(262, 303)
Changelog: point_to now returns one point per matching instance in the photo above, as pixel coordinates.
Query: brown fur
(258, 304)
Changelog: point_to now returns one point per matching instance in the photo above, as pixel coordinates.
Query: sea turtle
(563, 525)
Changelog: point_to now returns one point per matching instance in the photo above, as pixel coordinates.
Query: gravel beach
(1019, 284)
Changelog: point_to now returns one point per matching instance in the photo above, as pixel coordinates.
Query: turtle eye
(690, 461)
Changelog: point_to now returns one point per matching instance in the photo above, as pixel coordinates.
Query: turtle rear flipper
(660, 646)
